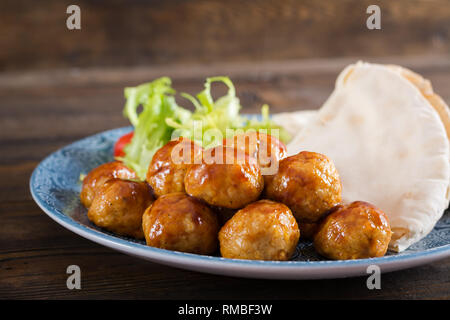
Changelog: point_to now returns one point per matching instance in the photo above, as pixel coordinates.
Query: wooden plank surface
(154, 32)
(42, 111)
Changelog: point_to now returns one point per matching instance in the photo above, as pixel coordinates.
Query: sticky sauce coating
(179, 222)
(119, 205)
(355, 231)
(263, 230)
(227, 178)
(308, 183)
(266, 149)
(169, 164)
(308, 230)
(98, 176)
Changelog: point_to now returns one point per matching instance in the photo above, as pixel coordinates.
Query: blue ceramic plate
(55, 187)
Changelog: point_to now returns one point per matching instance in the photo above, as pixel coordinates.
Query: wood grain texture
(33, 34)
(42, 111)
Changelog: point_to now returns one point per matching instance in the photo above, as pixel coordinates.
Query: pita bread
(424, 86)
(293, 122)
(297, 120)
(382, 128)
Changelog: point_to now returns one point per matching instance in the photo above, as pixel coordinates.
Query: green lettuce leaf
(150, 129)
(215, 117)
(161, 119)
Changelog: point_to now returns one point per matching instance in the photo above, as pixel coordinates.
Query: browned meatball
(355, 231)
(263, 230)
(169, 164)
(227, 178)
(179, 222)
(308, 230)
(308, 183)
(119, 206)
(267, 149)
(98, 176)
(224, 214)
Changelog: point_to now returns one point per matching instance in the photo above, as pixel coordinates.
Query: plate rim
(191, 261)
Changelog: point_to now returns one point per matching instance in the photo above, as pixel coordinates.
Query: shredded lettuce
(266, 123)
(150, 129)
(162, 119)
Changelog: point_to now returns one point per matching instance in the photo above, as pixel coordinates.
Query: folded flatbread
(387, 132)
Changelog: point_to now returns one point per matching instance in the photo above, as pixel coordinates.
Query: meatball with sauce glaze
(179, 222)
(308, 183)
(308, 230)
(98, 176)
(263, 230)
(355, 231)
(169, 164)
(226, 177)
(223, 214)
(266, 149)
(119, 205)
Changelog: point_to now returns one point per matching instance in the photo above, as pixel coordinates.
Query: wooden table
(43, 111)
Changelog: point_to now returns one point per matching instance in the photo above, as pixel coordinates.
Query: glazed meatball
(169, 164)
(355, 231)
(308, 183)
(224, 214)
(308, 230)
(267, 149)
(119, 206)
(226, 178)
(98, 176)
(263, 230)
(179, 222)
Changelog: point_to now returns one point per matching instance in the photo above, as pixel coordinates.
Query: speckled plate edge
(232, 267)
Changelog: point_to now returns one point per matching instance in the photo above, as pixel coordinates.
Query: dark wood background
(33, 34)
(57, 86)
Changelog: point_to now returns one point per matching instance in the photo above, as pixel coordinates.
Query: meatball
(226, 178)
(119, 206)
(224, 214)
(263, 230)
(308, 230)
(98, 176)
(267, 149)
(179, 222)
(308, 183)
(169, 164)
(355, 231)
